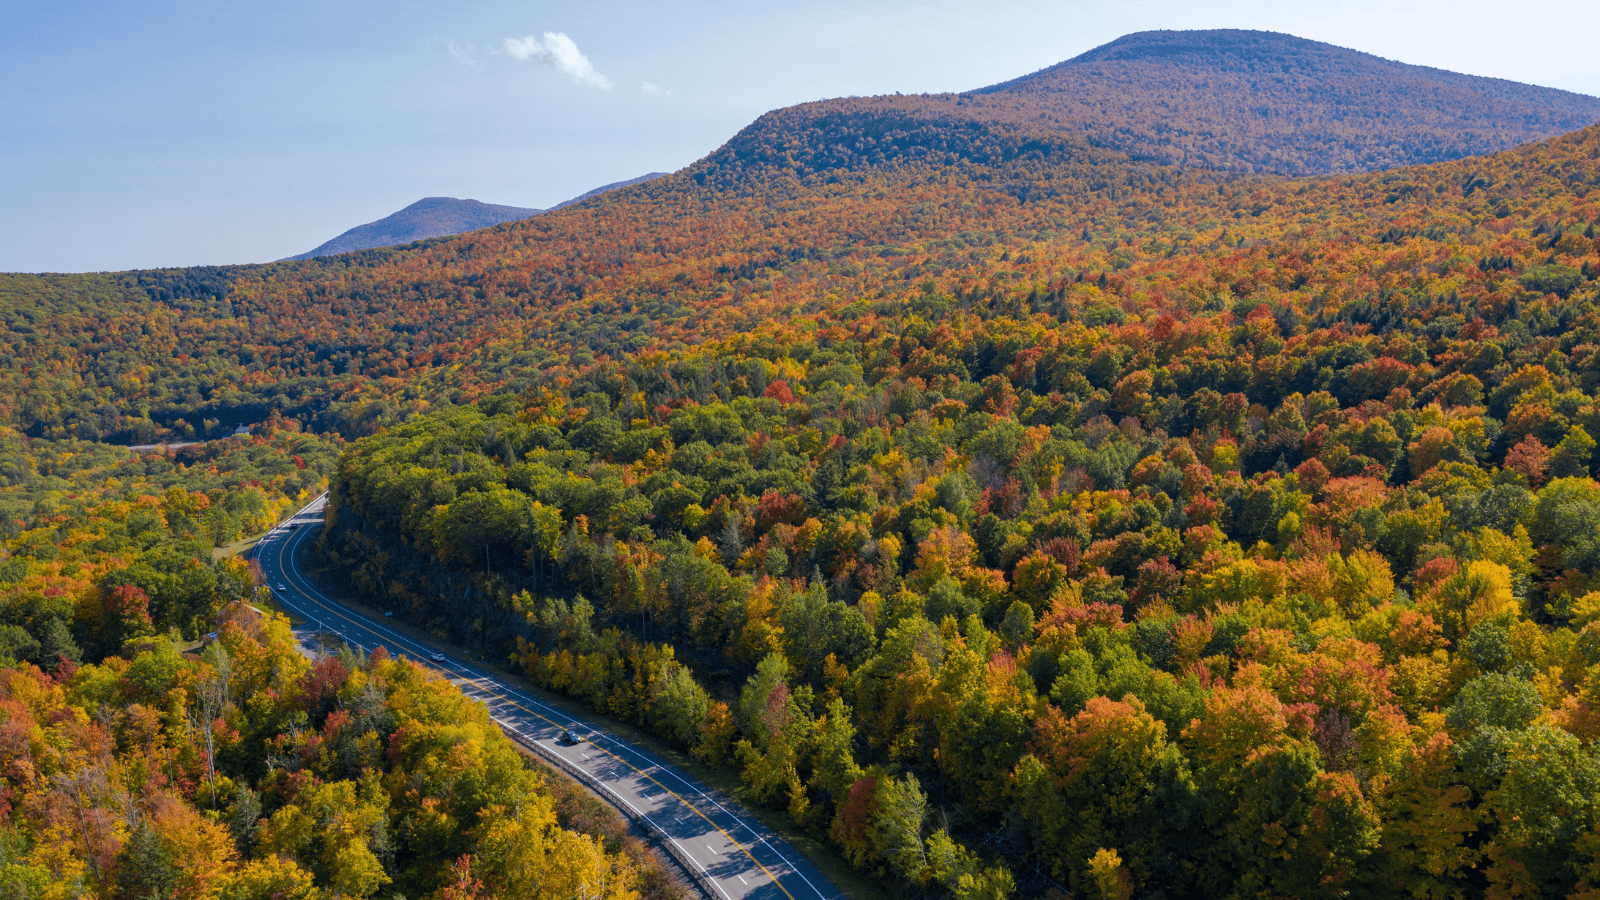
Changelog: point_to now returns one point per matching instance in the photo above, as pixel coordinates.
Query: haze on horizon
(178, 133)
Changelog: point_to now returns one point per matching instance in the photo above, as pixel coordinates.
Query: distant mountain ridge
(1225, 100)
(429, 217)
(433, 217)
(1229, 101)
(1232, 99)
(823, 195)
(606, 188)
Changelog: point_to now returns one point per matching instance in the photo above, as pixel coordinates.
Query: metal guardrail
(696, 872)
(660, 838)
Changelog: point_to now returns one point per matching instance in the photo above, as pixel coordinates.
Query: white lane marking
(713, 852)
(513, 727)
(741, 878)
(316, 597)
(702, 868)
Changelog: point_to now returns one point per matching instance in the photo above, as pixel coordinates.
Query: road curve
(735, 854)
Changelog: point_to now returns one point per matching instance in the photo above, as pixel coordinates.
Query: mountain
(427, 218)
(1272, 102)
(606, 188)
(1246, 525)
(1235, 101)
(810, 206)
(433, 217)
(1224, 531)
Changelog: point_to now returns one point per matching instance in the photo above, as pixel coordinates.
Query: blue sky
(173, 132)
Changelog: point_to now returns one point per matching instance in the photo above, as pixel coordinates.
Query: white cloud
(558, 51)
(465, 54)
(649, 88)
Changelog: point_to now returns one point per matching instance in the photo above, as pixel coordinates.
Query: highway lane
(738, 856)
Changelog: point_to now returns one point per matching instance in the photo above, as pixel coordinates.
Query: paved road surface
(177, 445)
(738, 856)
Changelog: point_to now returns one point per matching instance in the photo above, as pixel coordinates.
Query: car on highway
(438, 657)
(567, 738)
(283, 589)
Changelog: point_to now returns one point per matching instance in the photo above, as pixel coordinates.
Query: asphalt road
(734, 852)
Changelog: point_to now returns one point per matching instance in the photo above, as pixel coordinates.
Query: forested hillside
(835, 198)
(1265, 102)
(1015, 504)
(1235, 539)
(246, 772)
(164, 739)
(103, 545)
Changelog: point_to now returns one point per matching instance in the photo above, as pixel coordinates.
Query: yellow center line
(697, 811)
(652, 780)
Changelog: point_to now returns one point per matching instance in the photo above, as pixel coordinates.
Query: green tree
(835, 771)
(680, 705)
(814, 626)
(897, 827)
(1551, 279)
(1573, 455)
(1017, 627)
(1567, 513)
(145, 869)
(760, 692)
(16, 645)
(1036, 803)
(56, 643)
(1497, 700)
(1077, 683)
(1549, 796)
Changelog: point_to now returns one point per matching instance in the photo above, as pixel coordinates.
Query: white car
(438, 657)
(283, 589)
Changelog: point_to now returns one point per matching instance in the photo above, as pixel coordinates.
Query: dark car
(567, 737)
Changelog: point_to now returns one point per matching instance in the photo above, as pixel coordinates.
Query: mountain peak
(1144, 45)
(427, 218)
(433, 217)
(1240, 100)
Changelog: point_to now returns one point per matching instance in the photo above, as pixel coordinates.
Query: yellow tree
(1428, 820)
(202, 851)
(1480, 591)
(271, 877)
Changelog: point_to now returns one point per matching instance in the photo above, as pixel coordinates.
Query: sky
(178, 132)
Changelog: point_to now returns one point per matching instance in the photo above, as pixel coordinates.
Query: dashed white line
(475, 682)
(702, 867)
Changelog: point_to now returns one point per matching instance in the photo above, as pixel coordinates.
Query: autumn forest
(1014, 502)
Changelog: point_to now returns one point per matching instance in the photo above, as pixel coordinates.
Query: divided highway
(735, 855)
